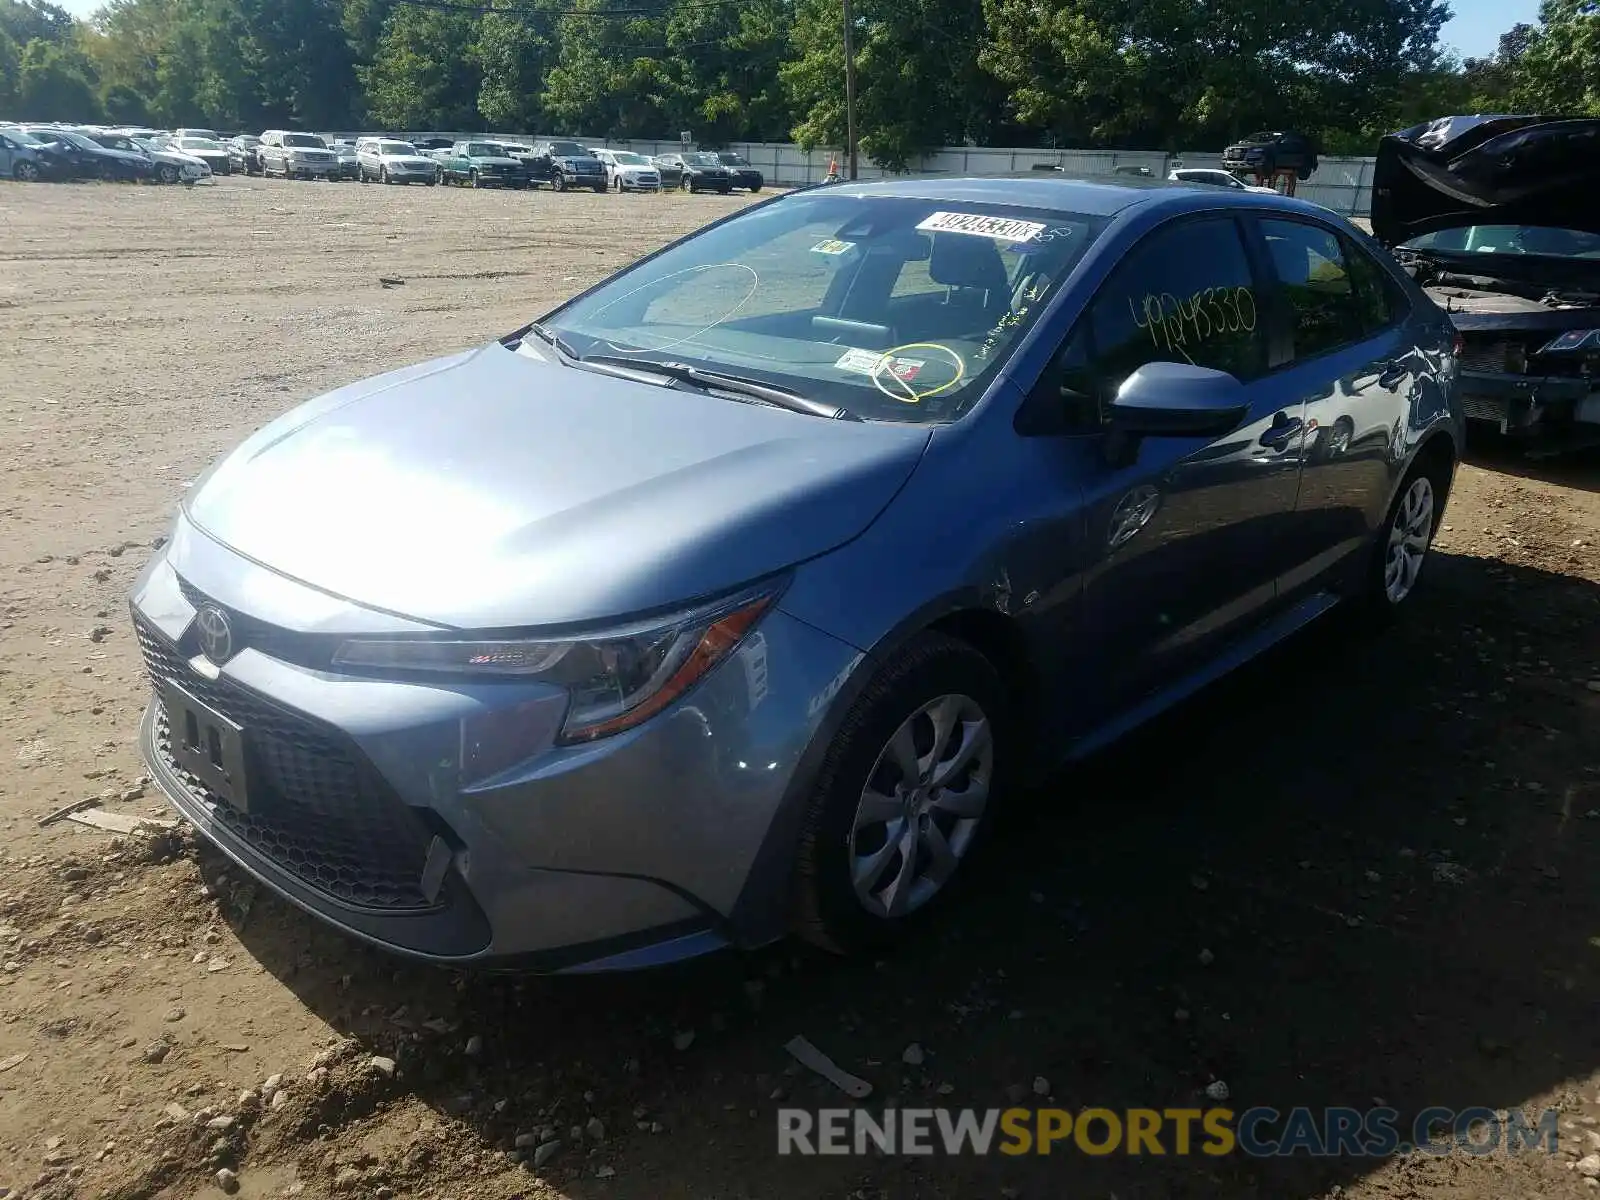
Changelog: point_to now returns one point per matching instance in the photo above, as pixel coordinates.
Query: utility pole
(850, 86)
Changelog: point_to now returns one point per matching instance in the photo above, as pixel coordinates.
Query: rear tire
(884, 845)
(1400, 551)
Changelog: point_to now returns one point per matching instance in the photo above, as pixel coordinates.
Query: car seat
(980, 286)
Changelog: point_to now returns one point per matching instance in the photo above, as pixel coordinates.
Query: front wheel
(472, 178)
(25, 172)
(559, 182)
(903, 797)
(168, 173)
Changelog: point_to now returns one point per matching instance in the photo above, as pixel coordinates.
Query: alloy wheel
(25, 172)
(921, 807)
(1409, 536)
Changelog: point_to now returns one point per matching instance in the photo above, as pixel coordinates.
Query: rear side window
(1313, 271)
(1184, 294)
(1380, 300)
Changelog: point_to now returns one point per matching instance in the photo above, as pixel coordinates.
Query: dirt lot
(1364, 873)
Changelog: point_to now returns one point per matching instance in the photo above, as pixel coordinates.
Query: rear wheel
(903, 797)
(1401, 550)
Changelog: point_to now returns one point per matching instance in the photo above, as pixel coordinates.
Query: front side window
(1186, 295)
(896, 308)
(1314, 276)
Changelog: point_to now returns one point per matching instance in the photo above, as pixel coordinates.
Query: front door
(1183, 544)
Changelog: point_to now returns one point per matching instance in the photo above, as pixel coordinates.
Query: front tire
(25, 172)
(559, 182)
(904, 795)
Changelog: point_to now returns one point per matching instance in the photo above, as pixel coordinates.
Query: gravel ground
(1362, 872)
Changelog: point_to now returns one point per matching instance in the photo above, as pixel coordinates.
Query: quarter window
(1376, 292)
(1312, 269)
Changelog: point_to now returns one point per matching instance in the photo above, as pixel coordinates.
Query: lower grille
(1483, 408)
(317, 809)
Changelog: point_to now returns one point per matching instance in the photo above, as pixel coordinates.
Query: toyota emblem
(216, 635)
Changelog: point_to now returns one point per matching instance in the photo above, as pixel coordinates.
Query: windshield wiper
(769, 393)
(554, 340)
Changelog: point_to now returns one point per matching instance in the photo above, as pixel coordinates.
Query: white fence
(1342, 184)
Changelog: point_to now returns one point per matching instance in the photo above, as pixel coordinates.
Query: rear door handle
(1282, 432)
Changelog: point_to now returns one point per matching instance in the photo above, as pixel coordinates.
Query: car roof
(1102, 196)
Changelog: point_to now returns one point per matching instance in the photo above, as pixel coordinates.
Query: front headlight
(615, 679)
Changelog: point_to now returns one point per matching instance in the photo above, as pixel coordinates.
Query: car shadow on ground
(1578, 469)
(1358, 873)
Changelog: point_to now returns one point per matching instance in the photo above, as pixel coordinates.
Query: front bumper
(1525, 403)
(363, 812)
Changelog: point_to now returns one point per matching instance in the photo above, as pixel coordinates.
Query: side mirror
(1166, 399)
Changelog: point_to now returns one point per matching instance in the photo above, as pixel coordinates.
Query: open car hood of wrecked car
(1487, 170)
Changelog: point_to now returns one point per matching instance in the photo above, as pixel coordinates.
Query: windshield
(482, 150)
(733, 160)
(198, 144)
(248, 141)
(396, 148)
(71, 139)
(26, 139)
(1510, 239)
(304, 139)
(898, 309)
(569, 150)
(703, 160)
(627, 158)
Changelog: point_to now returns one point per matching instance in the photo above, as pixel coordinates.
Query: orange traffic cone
(833, 171)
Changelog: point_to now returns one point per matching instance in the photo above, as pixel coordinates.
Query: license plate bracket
(207, 745)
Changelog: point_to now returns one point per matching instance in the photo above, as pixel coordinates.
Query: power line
(531, 10)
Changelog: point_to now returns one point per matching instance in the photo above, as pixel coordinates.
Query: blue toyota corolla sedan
(731, 597)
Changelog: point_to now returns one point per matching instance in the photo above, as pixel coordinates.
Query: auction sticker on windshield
(833, 246)
(1001, 228)
(870, 362)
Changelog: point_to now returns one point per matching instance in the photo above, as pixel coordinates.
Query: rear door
(1356, 368)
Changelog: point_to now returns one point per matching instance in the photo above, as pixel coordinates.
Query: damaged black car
(1498, 218)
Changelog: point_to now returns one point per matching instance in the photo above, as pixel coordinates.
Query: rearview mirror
(1166, 399)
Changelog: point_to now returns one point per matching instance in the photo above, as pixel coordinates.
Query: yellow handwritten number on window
(1174, 322)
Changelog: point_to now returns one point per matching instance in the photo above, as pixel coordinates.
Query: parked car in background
(386, 160)
(629, 172)
(91, 159)
(297, 155)
(433, 689)
(349, 164)
(565, 165)
(170, 166)
(670, 170)
(1497, 218)
(1213, 177)
(480, 164)
(210, 135)
(209, 150)
(699, 171)
(744, 174)
(1270, 151)
(244, 154)
(27, 159)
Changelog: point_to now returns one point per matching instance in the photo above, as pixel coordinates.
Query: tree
(723, 70)
(54, 84)
(919, 82)
(1558, 69)
(10, 72)
(611, 78)
(516, 53)
(425, 72)
(25, 21)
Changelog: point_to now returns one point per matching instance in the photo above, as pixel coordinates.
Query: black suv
(565, 165)
(744, 174)
(1266, 153)
(698, 171)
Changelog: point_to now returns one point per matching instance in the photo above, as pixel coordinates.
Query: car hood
(1486, 170)
(491, 489)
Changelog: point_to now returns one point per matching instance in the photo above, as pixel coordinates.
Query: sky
(1473, 33)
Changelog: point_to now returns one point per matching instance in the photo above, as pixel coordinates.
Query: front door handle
(1282, 431)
